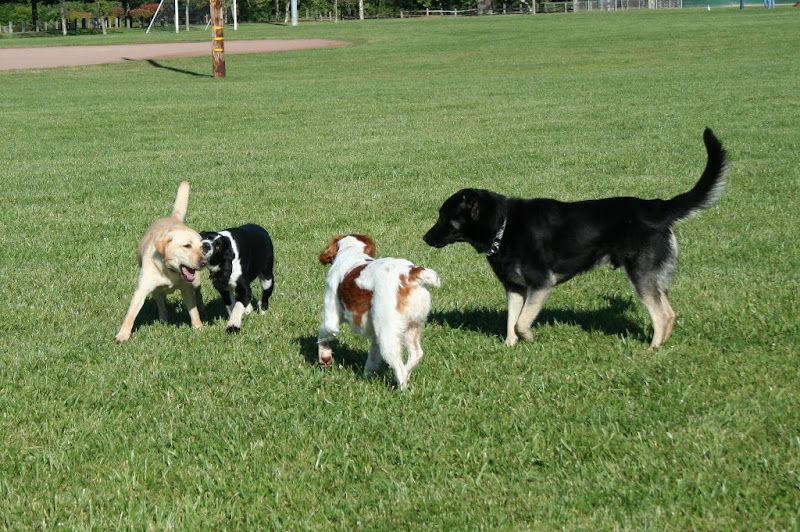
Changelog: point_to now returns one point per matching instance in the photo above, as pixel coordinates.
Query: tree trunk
(63, 20)
(35, 14)
(361, 9)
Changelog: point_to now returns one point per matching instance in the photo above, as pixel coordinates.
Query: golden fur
(170, 255)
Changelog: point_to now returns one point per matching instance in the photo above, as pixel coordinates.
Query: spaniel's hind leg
(391, 350)
(412, 340)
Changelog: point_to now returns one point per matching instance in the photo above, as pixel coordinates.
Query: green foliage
(15, 13)
(583, 429)
(74, 14)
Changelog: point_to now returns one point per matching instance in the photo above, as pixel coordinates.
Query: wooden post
(217, 39)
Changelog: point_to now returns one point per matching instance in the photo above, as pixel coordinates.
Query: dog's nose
(203, 262)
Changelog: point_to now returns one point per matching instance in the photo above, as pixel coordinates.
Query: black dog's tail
(710, 186)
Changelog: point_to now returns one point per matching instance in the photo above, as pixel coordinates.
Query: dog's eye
(187, 246)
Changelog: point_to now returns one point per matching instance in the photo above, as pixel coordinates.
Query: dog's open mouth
(187, 273)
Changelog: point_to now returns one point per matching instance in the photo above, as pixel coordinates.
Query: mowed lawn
(582, 429)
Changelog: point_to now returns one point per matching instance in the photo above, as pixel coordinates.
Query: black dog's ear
(470, 202)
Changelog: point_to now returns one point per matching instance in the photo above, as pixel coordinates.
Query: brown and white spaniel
(385, 300)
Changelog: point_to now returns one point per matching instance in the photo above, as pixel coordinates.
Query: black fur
(236, 257)
(535, 244)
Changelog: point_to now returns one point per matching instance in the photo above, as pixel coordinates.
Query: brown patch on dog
(408, 283)
(369, 244)
(328, 254)
(355, 299)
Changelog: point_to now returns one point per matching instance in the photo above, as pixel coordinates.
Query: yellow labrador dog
(170, 255)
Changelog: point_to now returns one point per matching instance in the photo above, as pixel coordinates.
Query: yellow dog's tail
(181, 201)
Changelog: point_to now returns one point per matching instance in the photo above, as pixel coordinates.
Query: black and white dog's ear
(228, 253)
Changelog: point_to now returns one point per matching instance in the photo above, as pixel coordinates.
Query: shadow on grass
(610, 320)
(351, 359)
(177, 314)
(178, 70)
(215, 309)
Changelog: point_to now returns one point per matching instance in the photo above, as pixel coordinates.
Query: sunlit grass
(582, 429)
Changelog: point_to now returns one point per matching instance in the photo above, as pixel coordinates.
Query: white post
(294, 12)
(154, 17)
(177, 27)
(235, 17)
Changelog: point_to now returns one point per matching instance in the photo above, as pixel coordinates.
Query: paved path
(55, 56)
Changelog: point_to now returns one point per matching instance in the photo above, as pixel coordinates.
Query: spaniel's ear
(329, 253)
(161, 244)
(369, 244)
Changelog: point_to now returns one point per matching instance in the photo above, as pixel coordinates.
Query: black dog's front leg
(241, 307)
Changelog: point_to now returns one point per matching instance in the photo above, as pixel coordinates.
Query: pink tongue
(187, 273)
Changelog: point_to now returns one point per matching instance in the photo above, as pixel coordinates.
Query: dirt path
(56, 56)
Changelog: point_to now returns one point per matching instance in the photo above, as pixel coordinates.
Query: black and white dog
(235, 258)
(534, 244)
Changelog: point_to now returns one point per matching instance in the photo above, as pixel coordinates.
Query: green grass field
(583, 429)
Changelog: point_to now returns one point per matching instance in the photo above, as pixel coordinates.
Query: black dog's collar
(498, 238)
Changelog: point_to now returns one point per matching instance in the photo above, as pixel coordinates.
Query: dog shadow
(343, 355)
(215, 310)
(610, 320)
(176, 314)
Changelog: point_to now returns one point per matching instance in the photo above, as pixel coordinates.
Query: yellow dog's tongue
(187, 273)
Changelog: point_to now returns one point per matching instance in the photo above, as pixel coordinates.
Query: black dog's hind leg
(267, 286)
(651, 274)
(662, 315)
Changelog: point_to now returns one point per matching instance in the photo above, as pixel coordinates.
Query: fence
(569, 6)
(72, 25)
(575, 6)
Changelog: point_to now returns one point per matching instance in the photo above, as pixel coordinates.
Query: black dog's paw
(233, 329)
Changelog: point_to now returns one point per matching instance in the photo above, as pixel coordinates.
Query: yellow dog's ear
(162, 243)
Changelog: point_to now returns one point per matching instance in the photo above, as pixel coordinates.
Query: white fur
(387, 328)
(236, 310)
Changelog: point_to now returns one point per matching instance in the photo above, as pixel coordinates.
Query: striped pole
(217, 39)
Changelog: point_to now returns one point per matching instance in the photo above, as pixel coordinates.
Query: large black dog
(235, 258)
(534, 244)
